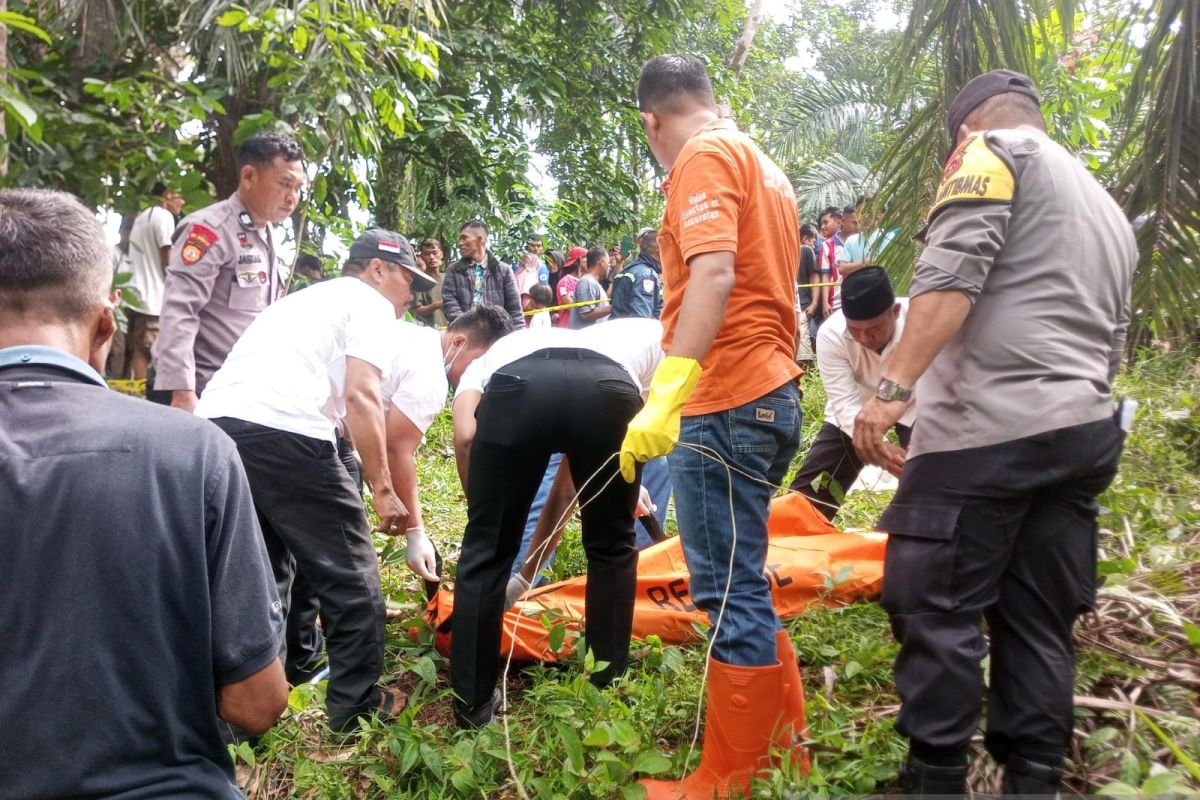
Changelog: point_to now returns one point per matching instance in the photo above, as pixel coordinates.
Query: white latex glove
(421, 557)
(644, 507)
(517, 586)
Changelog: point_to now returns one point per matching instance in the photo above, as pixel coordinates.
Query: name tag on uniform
(764, 414)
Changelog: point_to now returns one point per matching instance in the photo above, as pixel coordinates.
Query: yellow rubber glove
(655, 429)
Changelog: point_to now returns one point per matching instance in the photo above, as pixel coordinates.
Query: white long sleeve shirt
(851, 372)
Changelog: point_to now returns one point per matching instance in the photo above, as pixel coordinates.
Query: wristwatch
(890, 390)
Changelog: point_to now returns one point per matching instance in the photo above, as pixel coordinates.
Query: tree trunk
(738, 59)
(3, 66)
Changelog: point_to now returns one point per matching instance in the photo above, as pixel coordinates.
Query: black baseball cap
(390, 246)
(866, 294)
(980, 88)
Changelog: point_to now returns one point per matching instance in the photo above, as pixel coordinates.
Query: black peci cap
(980, 88)
(866, 294)
(390, 246)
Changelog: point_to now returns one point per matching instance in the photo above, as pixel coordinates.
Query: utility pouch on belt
(1126, 409)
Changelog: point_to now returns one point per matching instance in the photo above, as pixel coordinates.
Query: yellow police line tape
(533, 311)
(127, 386)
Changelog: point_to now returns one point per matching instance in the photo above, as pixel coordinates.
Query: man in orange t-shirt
(726, 392)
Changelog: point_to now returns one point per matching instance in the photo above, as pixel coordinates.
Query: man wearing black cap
(1016, 346)
(854, 346)
(306, 363)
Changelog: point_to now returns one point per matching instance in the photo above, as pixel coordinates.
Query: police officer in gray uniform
(224, 268)
(1016, 345)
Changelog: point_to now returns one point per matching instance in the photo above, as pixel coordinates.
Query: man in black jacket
(479, 277)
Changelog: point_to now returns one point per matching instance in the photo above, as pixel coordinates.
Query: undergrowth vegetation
(1136, 732)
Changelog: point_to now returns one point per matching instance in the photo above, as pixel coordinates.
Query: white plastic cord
(729, 469)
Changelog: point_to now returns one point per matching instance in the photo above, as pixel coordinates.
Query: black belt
(568, 353)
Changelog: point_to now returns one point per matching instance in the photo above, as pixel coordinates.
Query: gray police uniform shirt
(222, 273)
(1048, 273)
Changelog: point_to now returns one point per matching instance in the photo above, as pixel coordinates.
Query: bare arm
(428, 308)
(600, 312)
(403, 439)
(365, 421)
(464, 431)
(255, 703)
(703, 304)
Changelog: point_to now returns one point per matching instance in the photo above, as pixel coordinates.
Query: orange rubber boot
(793, 724)
(742, 723)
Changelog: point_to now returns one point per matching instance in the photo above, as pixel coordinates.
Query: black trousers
(831, 467)
(305, 642)
(1005, 533)
(313, 520)
(570, 401)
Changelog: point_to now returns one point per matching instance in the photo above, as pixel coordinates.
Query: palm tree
(1153, 164)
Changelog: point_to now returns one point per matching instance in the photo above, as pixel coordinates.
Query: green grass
(568, 740)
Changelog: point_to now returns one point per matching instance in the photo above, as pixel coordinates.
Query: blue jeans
(656, 477)
(758, 438)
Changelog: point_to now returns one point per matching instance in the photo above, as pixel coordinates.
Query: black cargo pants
(562, 400)
(324, 534)
(1005, 533)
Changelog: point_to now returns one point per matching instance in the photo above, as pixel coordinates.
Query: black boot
(472, 717)
(919, 778)
(1025, 778)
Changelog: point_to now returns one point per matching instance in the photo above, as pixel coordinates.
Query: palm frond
(955, 40)
(1158, 185)
(843, 112)
(835, 181)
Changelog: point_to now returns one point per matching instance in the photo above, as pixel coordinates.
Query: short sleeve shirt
(635, 344)
(416, 385)
(724, 194)
(152, 230)
(565, 291)
(588, 289)
(288, 371)
(120, 625)
(222, 272)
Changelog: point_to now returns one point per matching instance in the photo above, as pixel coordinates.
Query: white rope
(512, 637)
(566, 515)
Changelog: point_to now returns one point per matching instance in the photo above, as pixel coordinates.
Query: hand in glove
(421, 557)
(517, 586)
(645, 507)
(655, 429)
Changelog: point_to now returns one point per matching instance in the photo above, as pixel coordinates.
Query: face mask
(450, 363)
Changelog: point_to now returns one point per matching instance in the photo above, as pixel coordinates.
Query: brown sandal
(392, 702)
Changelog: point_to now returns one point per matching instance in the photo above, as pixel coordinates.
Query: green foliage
(1129, 107)
(564, 738)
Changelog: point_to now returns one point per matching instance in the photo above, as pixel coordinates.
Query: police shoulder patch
(974, 173)
(199, 239)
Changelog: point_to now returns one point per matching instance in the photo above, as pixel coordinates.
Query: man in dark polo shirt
(138, 606)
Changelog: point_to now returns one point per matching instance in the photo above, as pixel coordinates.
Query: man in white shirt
(303, 365)
(149, 254)
(427, 362)
(853, 347)
(516, 405)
